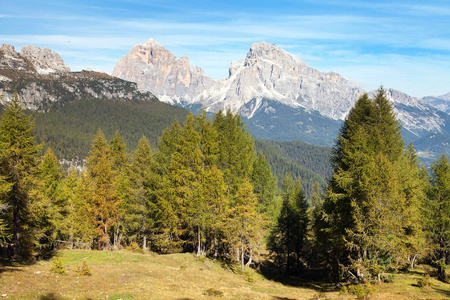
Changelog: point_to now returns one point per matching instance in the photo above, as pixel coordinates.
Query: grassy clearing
(130, 275)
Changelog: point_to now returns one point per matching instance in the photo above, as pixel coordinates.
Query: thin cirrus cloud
(402, 44)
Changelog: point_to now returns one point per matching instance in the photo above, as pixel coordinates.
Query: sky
(398, 44)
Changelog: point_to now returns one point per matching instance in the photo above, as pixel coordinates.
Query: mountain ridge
(268, 81)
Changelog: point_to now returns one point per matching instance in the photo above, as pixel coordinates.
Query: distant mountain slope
(440, 102)
(70, 129)
(278, 95)
(303, 161)
(69, 107)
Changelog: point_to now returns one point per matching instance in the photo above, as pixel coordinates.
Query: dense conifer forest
(204, 189)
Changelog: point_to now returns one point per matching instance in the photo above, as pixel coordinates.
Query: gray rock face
(267, 73)
(41, 78)
(413, 114)
(10, 59)
(45, 61)
(157, 70)
(440, 102)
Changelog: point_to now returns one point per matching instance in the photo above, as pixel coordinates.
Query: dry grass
(129, 275)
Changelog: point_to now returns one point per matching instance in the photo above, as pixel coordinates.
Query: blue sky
(400, 44)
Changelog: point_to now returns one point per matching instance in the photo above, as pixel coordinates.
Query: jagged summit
(266, 80)
(267, 72)
(272, 52)
(156, 69)
(152, 43)
(32, 59)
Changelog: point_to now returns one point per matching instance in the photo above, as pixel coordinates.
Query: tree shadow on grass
(50, 296)
(11, 266)
(311, 279)
(446, 293)
(53, 296)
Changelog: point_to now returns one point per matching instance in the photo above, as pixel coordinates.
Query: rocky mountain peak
(11, 60)
(445, 97)
(45, 61)
(32, 59)
(157, 70)
(273, 53)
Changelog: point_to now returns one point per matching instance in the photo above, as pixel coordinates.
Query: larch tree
(366, 204)
(244, 223)
(105, 199)
(49, 208)
(437, 215)
(236, 149)
(139, 222)
(288, 237)
(266, 187)
(18, 160)
(121, 169)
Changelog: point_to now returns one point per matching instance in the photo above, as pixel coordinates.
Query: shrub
(213, 292)
(388, 278)
(135, 247)
(58, 267)
(85, 270)
(424, 281)
(249, 277)
(361, 291)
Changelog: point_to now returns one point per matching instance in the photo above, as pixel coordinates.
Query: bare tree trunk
(250, 258)
(413, 261)
(216, 246)
(144, 243)
(16, 231)
(441, 270)
(259, 257)
(359, 274)
(199, 242)
(242, 259)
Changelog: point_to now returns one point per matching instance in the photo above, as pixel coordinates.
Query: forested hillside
(70, 128)
(303, 161)
(205, 190)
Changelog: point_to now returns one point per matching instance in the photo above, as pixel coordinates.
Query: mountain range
(279, 96)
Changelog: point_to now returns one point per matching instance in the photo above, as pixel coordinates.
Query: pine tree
(236, 149)
(121, 169)
(177, 167)
(414, 183)
(244, 223)
(366, 206)
(5, 188)
(138, 215)
(18, 161)
(105, 199)
(68, 228)
(48, 209)
(437, 215)
(266, 187)
(288, 238)
(84, 222)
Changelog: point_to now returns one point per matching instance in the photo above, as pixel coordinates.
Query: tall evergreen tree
(18, 160)
(236, 149)
(121, 168)
(139, 221)
(366, 204)
(288, 237)
(437, 215)
(244, 223)
(105, 199)
(48, 207)
(5, 188)
(266, 186)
